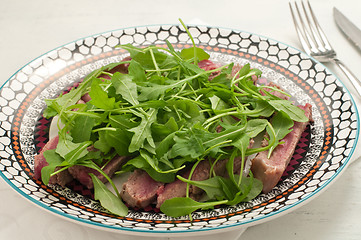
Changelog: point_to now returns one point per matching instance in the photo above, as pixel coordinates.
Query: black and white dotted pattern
(278, 62)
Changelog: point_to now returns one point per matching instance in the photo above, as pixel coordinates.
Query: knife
(352, 32)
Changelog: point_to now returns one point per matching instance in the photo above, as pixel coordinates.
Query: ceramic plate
(322, 153)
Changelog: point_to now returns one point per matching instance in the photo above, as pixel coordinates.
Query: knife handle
(355, 82)
(353, 79)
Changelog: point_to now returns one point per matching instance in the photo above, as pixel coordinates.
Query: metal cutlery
(315, 42)
(352, 32)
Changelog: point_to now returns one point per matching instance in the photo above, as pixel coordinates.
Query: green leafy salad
(165, 115)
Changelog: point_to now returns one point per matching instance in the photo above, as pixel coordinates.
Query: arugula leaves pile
(166, 115)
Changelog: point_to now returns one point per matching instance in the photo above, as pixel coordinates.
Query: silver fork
(315, 42)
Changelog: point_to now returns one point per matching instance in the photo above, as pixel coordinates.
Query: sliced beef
(201, 172)
(39, 160)
(208, 65)
(238, 67)
(171, 190)
(63, 177)
(140, 190)
(84, 99)
(122, 68)
(276, 93)
(81, 173)
(270, 170)
(178, 188)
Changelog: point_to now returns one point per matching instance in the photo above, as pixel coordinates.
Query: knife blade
(352, 32)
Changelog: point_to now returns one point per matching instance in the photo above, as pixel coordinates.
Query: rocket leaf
(108, 200)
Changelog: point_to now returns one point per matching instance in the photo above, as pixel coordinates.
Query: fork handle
(355, 82)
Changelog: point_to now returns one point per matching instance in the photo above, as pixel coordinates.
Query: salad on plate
(187, 132)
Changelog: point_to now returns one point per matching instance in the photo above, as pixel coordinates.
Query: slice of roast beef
(63, 177)
(209, 65)
(270, 170)
(178, 188)
(122, 68)
(84, 99)
(238, 67)
(140, 190)
(171, 190)
(276, 93)
(202, 172)
(81, 173)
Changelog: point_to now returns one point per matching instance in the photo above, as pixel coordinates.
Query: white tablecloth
(31, 28)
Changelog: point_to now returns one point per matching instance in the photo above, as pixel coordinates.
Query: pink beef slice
(276, 93)
(81, 173)
(84, 99)
(171, 190)
(140, 190)
(61, 178)
(209, 65)
(202, 172)
(178, 188)
(269, 171)
(122, 68)
(238, 67)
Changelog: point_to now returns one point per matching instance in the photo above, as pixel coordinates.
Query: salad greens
(166, 115)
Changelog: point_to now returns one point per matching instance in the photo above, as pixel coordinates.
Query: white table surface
(31, 28)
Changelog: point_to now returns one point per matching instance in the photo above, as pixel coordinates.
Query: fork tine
(325, 52)
(306, 39)
(312, 25)
(309, 36)
(303, 39)
(318, 28)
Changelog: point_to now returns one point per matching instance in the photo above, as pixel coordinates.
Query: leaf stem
(105, 129)
(190, 175)
(92, 165)
(60, 170)
(190, 36)
(155, 62)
